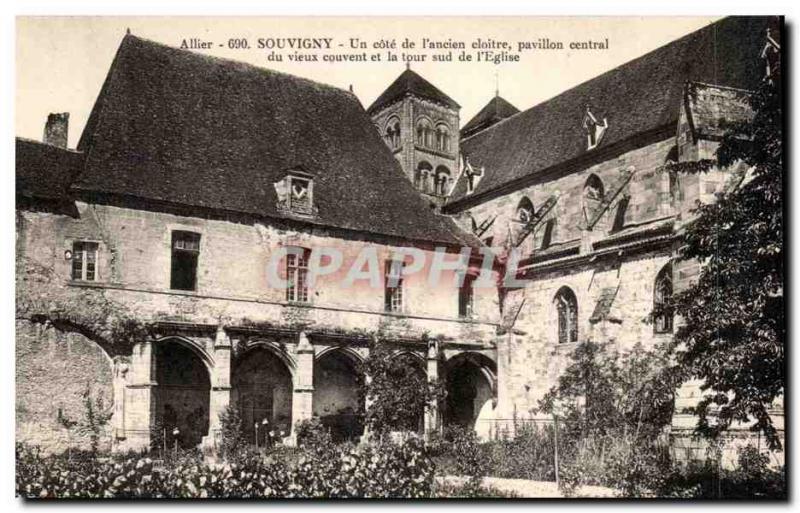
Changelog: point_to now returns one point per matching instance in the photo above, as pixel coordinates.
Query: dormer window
(473, 175)
(296, 192)
(593, 128)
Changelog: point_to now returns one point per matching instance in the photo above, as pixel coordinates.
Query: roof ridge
(595, 77)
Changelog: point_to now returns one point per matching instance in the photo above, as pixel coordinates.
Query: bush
(381, 470)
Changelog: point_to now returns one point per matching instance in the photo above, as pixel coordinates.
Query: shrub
(381, 470)
(231, 435)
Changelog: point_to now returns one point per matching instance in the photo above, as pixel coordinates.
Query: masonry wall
(649, 189)
(53, 371)
(134, 262)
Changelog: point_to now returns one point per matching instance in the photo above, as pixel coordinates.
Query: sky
(61, 62)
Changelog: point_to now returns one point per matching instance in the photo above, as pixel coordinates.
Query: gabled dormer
(594, 129)
(296, 192)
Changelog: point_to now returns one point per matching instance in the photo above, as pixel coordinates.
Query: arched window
(442, 180)
(422, 176)
(567, 308)
(392, 135)
(524, 210)
(442, 137)
(424, 133)
(662, 320)
(593, 188)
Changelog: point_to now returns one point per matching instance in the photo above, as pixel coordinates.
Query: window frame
(664, 323)
(183, 253)
(80, 247)
(394, 295)
(296, 267)
(567, 325)
(466, 298)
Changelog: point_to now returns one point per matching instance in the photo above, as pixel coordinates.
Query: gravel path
(534, 489)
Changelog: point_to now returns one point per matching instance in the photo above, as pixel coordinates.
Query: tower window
(84, 260)
(393, 296)
(392, 135)
(567, 310)
(442, 138)
(442, 181)
(185, 253)
(297, 274)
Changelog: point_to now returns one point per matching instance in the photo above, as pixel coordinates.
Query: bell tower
(419, 123)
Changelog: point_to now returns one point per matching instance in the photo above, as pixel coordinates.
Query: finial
(351, 88)
(496, 84)
(408, 64)
(128, 31)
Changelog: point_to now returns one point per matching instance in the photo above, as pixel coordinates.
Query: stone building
(577, 184)
(191, 174)
(193, 171)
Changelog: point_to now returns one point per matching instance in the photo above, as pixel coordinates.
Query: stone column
(220, 385)
(121, 378)
(139, 401)
(432, 421)
(303, 395)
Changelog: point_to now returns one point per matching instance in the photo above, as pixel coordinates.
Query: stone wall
(53, 370)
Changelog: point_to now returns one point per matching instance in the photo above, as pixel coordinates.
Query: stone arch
(191, 345)
(441, 180)
(392, 132)
(417, 362)
(471, 380)
(337, 392)
(262, 386)
(423, 132)
(422, 176)
(183, 392)
(442, 136)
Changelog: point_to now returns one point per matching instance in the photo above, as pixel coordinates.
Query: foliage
(611, 410)
(42, 297)
(396, 390)
(94, 420)
(231, 432)
(733, 329)
(378, 470)
(602, 393)
(313, 435)
(751, 478)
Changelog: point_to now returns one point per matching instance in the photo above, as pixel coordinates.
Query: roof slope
(639, 96)
(45, 171)
(496, 110)
(410, 82)
(176, 126)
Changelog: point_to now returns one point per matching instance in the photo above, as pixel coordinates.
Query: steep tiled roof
(45, 171)
(175, 126)
(410, 83)
(638, 97)
(496, 110)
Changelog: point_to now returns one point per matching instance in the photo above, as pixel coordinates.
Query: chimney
(56, 129)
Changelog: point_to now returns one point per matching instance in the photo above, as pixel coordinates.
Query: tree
(396, 390)
(602, 393)
(732, 332)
